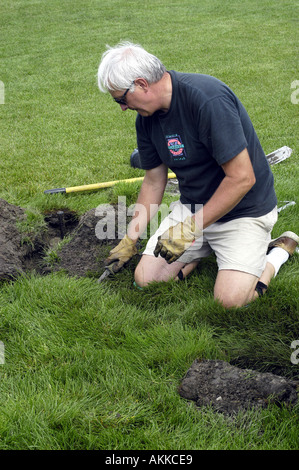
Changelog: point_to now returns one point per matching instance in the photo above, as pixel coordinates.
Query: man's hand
(177, 239)
(122, 253)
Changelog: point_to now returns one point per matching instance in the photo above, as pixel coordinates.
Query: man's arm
(239, 179)
(151, 194)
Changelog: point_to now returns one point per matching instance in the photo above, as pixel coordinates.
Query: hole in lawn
(61, 222)
(43, 249)
(64, 242)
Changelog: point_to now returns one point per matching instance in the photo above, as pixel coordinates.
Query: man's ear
(142, 83)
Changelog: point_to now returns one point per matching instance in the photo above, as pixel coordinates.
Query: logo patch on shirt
(176, 147)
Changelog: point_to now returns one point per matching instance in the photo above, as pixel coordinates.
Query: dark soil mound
(12, 252)
(228, 389)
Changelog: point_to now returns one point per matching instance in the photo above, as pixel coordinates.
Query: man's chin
(143, 113)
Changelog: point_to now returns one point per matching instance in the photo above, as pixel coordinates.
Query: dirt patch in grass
(66, 242)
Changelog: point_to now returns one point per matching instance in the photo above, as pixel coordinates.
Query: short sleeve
(221, 129)
(149, 156)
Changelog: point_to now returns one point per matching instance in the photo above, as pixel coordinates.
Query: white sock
(277, 257)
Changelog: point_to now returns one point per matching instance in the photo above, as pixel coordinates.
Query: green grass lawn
(91, 366)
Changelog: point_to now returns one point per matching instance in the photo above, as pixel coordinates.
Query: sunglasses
(122, 99)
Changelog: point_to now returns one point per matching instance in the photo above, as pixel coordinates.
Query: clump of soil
(12, 252)
(229, 389)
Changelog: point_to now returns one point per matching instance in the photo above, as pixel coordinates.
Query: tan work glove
(177, 239)
(122, 253)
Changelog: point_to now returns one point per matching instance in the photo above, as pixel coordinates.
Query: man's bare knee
(151, 269)
(229, 300)
(140, 276)
(234, 289)
(147, 271)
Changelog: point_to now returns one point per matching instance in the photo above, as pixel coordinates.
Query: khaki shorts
(239, 244)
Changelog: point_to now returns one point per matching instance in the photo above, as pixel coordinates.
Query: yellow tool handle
(91, 187)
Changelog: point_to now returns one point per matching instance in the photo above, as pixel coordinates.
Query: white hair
(122, 64)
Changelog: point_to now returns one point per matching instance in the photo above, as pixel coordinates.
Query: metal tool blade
(109, 270)
(287, 204)
(105, 274)
(279, 155)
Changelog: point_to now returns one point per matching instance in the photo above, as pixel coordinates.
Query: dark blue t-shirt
(205, 126)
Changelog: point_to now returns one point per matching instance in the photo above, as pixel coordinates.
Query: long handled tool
(91, 187)
(273, 158)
